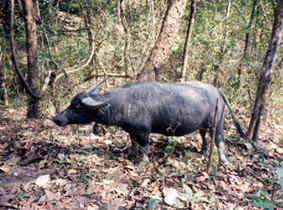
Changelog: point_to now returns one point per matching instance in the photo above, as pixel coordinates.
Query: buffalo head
(82, 108)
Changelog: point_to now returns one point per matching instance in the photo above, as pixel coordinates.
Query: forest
(51, 50)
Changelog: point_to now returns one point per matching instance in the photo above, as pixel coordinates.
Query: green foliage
(263, 199)
(234, 82)
(152, 203)
(169, 149)
(217, 42)
(279, 172)
(75, 6)
(84, 178)
(22, 196)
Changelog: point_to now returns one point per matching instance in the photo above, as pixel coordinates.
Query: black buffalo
(141, 108)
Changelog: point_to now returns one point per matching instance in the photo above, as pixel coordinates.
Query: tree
(38, 82)
(3, 89)
(266, 71)
(5, 16)
(165, 40)
(188, 39)
(247, 46)
(32, 85)
(249, 27)
(33, 71)
(223, 48)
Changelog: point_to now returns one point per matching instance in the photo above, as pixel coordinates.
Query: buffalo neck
(104, 115)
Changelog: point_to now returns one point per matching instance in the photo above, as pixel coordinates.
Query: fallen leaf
(145, 182)
(171, 198)
(42, 181)
(5, 169)
(203, 177)
(52, 196)
(72, 171)
(122, 189)
(48, 123)
(177, 164)
(60, 182)
(108, 142)
(93, 207)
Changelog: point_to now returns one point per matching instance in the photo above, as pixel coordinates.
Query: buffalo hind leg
(221, 147)
(204, 148)
(219, 140)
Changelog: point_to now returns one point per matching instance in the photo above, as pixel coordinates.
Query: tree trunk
(123, 23)
(33, 73)
(223, 47)
(266, 70)
(5, 9)
(3, 89)
(250, 25)
(188, 39)
(281, 63)
(165, 40)
(247, 47)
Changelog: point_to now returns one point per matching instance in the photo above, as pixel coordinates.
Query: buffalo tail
(236, 122)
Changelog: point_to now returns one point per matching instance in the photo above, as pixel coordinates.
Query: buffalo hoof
(204, 152)
(224, 162)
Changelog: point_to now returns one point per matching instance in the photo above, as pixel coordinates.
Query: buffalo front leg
(141, 143)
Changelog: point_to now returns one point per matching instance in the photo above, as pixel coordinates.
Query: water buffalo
(141, 108)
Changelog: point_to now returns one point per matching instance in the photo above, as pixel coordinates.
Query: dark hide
(141, 108)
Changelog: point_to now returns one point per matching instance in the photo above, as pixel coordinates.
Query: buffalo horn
(95, 86)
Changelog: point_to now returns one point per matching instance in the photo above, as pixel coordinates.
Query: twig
(107, 75)
(7, 205)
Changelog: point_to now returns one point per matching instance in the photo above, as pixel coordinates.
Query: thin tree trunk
(266, 70)
(247, 47)
(3, 89)
(5, 17)
(33, 72)
(188, 39)
(250, 25)
(122, 22)
(202, 70)
(281, 63)
(223, 46)
(165, 40)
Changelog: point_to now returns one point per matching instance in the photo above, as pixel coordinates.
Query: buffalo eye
(78, 106)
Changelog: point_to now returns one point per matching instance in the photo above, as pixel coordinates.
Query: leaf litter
(46, 167)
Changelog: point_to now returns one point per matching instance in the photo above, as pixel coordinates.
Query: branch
(72, 30)
(81, 65)
(107, 75)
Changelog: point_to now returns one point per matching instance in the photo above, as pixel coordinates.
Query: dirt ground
(46, 167)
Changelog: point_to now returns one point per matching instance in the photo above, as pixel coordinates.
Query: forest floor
(47, 167)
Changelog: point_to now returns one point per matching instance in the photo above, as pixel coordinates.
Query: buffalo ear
(90, 102)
